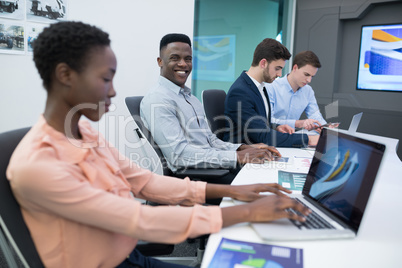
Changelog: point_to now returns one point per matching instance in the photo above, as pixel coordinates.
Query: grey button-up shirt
(177, 122)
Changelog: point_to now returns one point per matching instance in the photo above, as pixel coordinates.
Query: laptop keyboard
(313, 221)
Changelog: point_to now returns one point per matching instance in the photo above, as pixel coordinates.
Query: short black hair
(271, 50)
(174, 37)
(66, 42)
(306, 58)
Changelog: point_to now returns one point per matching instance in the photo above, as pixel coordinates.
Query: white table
(379, 240)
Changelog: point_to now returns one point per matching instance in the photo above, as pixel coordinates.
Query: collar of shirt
(284, 80)
(257, 84)
(173, 87)
(260, 87)
(70, 150)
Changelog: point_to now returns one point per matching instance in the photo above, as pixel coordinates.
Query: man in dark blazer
(247, 104)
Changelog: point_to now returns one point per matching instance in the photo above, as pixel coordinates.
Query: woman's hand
(252, 192)
(265, 209)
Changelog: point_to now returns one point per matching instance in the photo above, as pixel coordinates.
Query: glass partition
(226, 33)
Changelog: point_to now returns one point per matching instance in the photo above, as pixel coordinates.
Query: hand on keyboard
(277, 207)
(269, 208)
(313, 220)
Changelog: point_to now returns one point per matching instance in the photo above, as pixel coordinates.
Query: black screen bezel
(364, 193)
(359, 55)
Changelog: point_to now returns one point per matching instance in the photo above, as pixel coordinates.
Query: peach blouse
(76, 197)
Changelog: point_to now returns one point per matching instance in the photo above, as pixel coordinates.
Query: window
(226, 33)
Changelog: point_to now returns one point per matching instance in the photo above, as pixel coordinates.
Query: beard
(267, 78)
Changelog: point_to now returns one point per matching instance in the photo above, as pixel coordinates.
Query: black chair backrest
(133, 105)
(214, 106)
(9, 208)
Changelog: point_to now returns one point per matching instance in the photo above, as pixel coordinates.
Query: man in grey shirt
(177, 122)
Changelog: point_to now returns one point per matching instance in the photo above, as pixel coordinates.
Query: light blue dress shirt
(177, 122)
(287, 106)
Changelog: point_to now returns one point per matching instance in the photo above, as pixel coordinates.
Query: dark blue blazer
(247, 121)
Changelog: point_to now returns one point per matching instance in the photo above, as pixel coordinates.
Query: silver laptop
(337, 189)
(355, 123)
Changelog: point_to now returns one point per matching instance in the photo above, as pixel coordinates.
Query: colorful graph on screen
(380, 62)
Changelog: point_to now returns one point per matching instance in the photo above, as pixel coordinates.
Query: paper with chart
(239, 254)
(291, 180)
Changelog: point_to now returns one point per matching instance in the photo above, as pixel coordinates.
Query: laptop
(355, 123)
(337, 189)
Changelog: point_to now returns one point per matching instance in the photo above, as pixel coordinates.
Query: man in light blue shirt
(177, 122)
(291, 95)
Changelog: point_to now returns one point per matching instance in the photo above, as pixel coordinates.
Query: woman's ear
(63, 74)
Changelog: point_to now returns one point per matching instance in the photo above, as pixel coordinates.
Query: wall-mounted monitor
(380, 58)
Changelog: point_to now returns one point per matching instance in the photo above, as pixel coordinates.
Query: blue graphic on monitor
(380, 62)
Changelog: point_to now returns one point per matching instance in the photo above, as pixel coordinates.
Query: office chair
(13, 226)
(213, 101)
(133, 105)
(15, 240)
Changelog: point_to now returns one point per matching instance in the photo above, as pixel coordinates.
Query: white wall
(135, 28)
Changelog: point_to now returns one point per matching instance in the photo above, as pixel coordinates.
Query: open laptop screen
(342, 175)
(355, 123)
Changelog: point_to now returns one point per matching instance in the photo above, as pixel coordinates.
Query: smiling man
(291, 95)
(177, 122)
(247, 104)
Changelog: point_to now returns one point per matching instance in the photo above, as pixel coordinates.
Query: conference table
(379, 240)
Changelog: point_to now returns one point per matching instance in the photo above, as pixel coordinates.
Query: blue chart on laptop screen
(336, 180)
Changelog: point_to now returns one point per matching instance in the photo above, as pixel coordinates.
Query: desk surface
(379, 240)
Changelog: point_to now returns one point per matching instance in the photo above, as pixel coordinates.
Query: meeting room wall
(135, 28)
(332, 30)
